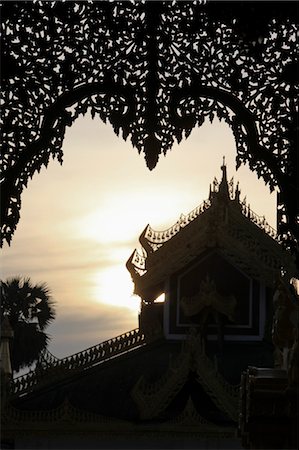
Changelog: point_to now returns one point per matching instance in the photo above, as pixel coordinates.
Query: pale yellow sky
(81, 221)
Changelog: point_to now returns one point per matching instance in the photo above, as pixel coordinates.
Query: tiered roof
(131, 386)
(222, 222)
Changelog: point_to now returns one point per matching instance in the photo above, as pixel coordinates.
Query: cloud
(84, 328)
(101, 174)
(61, 255)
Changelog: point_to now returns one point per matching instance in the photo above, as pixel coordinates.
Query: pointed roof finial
(237, 193)
(223, 187)
(223, 168)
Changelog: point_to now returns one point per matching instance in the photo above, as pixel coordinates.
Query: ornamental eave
(240, 240)
(68, 418)
(222, 222)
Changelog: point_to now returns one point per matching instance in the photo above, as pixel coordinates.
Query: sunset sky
(81, 221)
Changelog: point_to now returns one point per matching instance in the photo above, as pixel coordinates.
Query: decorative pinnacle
(237, 193)
(223, 168)
(223, 187)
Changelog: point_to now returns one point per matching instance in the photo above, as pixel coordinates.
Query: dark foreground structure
(201, 371)
(154, 70)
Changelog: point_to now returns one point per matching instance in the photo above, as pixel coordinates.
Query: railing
(153, 397)
(260, 221)
(224, 395)
(152, 240)
(47, 358)
(158, 238)
(136, 263)
(66, 411)
(87, 358)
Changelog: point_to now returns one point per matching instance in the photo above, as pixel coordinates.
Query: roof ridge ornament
(237, 193)
(223, 186)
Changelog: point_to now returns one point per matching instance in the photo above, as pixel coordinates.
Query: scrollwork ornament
(154, 71)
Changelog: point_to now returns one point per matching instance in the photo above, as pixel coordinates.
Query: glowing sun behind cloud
(81, 222)
(122, 217)
(113, 286)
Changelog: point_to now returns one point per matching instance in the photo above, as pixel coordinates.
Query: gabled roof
(147, 385)
(222, 223)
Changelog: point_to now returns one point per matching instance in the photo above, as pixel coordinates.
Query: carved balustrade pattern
(260, 221)
(152, 398)
(64, 411)
(16, 415)
(87, 358)
(47, 358)
(158, 238)
(224, 395)
(138, 263)
(178, 369)
(154, 72)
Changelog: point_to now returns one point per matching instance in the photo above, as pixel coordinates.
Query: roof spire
(237, 193)
(223, 168)
(223, 187)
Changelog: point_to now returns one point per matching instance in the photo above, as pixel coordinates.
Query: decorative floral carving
(154, 72)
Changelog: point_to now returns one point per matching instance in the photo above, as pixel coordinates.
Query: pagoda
(216, 267)
(174, 382)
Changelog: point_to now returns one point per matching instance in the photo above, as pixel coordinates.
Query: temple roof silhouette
(155, 71)
(222, 222)
(179, 372)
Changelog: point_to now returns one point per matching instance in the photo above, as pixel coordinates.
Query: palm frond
(30, 309)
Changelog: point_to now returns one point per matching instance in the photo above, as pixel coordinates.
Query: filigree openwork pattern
(51, 367)
(154, 70)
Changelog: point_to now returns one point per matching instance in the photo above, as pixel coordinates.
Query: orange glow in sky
(80, 222)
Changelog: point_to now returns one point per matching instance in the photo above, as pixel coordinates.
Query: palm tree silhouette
(30, 309)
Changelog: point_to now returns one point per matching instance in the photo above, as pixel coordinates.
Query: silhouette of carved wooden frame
(154, 107)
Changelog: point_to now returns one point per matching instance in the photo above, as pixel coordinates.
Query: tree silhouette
(30, 309)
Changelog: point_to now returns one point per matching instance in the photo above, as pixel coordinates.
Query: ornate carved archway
(154, 70)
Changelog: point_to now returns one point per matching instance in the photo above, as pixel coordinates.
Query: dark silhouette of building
(176, 381)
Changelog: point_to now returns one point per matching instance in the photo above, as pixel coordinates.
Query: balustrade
(158, 238)
(91, 356)
(224, 394)
(153, 240)
(153, 397)
(260, 221)
(138, 262)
